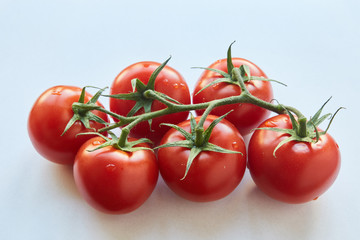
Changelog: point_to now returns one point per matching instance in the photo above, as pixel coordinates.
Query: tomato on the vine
(245, 116)
(48, 118)
(296, 172)
(168, 81)
(212, 175)
(115, 181)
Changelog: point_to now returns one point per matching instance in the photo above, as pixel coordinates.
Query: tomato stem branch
(237, 76)
(172, 107)
(302, 131)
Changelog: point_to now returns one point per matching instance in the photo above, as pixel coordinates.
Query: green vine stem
(171, 107)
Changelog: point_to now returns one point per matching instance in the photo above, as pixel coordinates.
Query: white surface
(313, 46)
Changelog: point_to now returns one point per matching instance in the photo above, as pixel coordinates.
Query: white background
(311, 45)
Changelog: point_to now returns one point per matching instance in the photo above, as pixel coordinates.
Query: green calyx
(304, 130)
(228, 77)
(140, 95)
(114, 142)
(197, 140)
(82, 111)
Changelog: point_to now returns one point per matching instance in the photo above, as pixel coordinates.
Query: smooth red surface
(114, 181)
(300, 172)
(169, 82)
(48, 118)
(212, 175)
(245, 116)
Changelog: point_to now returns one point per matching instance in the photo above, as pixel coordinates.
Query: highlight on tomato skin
(48, 118)
(212, 175)
(300, 171)
(245, 116)
(114, 181)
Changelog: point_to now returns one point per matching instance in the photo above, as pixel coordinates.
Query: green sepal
(289, 139)
(227, 76)
(183, 143)
(193, 126)
(312, 133)
(108, 141)
(151, 82)
(179, 129)
(332, 118)
(294, 123)
(230, 65)
(114, 142)
(139, 88)
(210, 128)
(217, 81)
(194, 152)
(246, 79)
(147, 109)
(244, 72)
(138, 105)
(215, 148)
(191, 140)
(167, 97)
(316, 119)
(138, 85)
(82, 111)
(222, 73)
(130, 146)
(125, 96)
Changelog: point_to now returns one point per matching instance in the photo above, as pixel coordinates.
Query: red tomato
(300, 172)
(114, 181)
(169, 81)
(212, 175)
(48, 118)
(245, 116)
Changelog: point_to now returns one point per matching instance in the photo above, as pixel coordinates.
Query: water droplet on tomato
(176, 85)
(56, 91)
(183, 86)
(315, 198)
(235, 145)
(270, 124)
(166, 81)
(215, 86)
(110, 167)
(96, 142)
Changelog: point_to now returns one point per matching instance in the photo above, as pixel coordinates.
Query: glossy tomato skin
(114, 181)
(48, 118)
(300, 172)
(212, 175)
(169, 81)
(245, 116)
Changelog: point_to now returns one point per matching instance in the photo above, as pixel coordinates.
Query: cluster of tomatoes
(117, 181)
